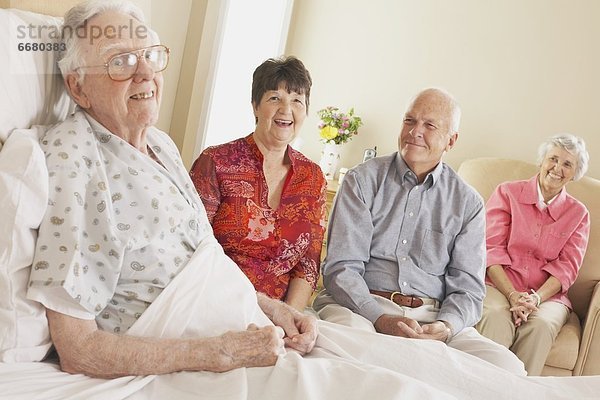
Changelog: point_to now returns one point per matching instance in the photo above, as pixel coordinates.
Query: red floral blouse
(270, 246)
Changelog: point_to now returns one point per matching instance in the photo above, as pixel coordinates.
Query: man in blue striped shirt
(406, 241)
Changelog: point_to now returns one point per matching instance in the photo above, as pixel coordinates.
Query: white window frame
(248, 33)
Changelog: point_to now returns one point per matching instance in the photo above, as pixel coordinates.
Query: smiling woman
(537, 235)
(265, 200)
(562, 160)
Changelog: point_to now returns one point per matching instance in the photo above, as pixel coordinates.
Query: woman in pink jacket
(537, 235)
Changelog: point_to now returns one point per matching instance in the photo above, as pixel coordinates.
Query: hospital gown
(119, 225)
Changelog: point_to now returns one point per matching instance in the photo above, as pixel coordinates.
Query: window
(250, 32)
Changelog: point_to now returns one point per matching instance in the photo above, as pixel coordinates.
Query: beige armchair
(577, 347)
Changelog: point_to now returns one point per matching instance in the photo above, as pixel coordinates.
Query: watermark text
(85, 31)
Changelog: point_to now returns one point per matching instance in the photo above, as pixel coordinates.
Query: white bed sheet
(346, 363)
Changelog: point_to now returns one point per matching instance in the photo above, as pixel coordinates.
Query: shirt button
(536, 235)
(403, 241)
(404, 283)
(410, 214)
(403, 258)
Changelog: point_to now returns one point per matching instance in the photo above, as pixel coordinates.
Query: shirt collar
(406, 174)
(541, 203)
(96, 126)
(292, 154)
(253, 147)
(532, 194)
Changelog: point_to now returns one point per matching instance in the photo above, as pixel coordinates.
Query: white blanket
(211, 296)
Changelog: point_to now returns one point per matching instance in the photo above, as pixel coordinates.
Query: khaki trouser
(468, 340)
(531, 342)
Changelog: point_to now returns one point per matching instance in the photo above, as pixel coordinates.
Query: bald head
(443, 101)
(429, 129)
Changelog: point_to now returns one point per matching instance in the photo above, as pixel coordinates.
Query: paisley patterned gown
(119, 225)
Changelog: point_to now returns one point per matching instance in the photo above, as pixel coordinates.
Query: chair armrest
(588, 360)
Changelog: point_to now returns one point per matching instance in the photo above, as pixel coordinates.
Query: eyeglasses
(123, 66)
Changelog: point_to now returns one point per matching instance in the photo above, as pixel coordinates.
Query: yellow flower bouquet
(338, 127)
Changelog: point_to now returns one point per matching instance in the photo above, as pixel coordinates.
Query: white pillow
(31, 93)
(31, 88)
(24, 334)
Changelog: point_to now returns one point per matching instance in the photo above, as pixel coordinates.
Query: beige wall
(56, 8)
(522, 70)
(170, 20)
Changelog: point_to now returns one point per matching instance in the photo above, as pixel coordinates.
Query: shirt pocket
(434, 255)
(555, 241)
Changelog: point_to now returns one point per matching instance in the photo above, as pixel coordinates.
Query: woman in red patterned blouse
(265, 200)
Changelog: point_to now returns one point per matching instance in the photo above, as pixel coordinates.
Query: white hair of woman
(571, 143)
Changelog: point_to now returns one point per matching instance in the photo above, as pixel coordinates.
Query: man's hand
(300, 329)
(409, 328)
(437, 330)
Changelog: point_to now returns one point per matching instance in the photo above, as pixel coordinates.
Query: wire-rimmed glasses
(123, 66)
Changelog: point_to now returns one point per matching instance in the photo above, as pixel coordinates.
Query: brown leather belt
(400, 299)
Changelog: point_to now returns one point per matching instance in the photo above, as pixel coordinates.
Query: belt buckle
(392, 296)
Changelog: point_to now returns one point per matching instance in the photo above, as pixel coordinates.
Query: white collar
(542, 205)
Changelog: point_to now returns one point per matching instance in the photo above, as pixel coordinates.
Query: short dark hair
(274, 71)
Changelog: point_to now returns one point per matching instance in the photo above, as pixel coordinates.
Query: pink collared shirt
(533, 244)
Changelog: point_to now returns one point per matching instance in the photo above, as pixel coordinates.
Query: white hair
(455, 112)
(76, 18)
(571, 143)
